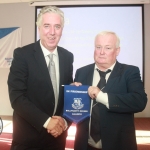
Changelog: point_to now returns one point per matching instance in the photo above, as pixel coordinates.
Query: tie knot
(102, 73)
(51, 59)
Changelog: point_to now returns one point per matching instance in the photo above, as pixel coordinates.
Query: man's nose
(102, 50)
(52, 30)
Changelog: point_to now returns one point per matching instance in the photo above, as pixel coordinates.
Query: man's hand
(93, 91)
(76, 83)
(56, 126)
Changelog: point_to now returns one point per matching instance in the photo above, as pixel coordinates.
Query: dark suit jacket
(126, 96)
(31, 94)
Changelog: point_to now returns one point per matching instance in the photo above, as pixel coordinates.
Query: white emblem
(77, 103)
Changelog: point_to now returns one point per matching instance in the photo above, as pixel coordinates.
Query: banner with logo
(10, 39)
(76, 103)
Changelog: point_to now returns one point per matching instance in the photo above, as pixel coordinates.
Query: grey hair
(49, 9)
(110, 32)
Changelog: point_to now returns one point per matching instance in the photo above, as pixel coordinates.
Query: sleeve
(130, 96)
(103, 98)
(70, 80)
(18, 88)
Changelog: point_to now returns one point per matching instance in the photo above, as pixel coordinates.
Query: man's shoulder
(27, 47)
(26, 51)
(63, 50)
(126, 66)
(87, 67)
(30, 45)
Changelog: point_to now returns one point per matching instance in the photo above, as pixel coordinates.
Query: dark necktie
(95, 116)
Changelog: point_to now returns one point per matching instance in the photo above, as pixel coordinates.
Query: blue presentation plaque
(76, 103)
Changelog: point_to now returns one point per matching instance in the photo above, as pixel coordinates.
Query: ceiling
(80, 1)
(20, 1)
(13, 1)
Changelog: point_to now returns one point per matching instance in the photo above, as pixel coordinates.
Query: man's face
(50, 30)
(105, 51)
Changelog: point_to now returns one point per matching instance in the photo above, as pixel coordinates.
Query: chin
(101, 62)
(52, 45)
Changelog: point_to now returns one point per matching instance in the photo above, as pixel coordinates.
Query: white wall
(22, 15)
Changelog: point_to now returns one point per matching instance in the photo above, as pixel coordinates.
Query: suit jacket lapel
(90, 74)
(40, 61)
(116, 72)
(61, 66)
(61, 71)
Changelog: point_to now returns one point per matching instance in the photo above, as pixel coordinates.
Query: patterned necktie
(95, 116)
(52, 72)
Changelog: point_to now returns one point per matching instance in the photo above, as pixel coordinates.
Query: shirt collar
(46, 52)
(111, 68)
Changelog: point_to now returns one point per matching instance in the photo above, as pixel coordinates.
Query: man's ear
(117, 51)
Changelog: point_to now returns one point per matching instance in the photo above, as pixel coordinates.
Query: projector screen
(83, 23)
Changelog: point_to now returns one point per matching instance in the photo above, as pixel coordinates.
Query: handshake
(56, 126)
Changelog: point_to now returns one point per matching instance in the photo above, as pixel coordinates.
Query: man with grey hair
(116, 92)
(35, 81)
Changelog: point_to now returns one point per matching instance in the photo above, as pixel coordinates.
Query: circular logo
(77, 103)
(1, 125)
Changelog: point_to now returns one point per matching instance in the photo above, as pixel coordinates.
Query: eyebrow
(50, 24)
(46, 24)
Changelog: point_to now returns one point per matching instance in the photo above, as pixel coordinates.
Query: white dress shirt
(56, 61)
(101, 98)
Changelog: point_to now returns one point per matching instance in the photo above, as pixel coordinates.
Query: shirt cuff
(103, 98)
(66, 125)
(46, 123)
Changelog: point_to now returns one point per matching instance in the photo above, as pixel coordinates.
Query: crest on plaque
(77, 103)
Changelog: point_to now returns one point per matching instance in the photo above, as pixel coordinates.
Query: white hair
(110, 32)
(49, 9)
